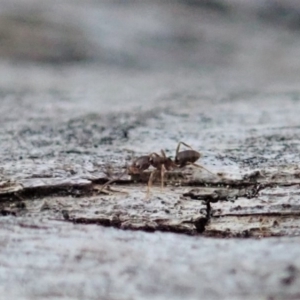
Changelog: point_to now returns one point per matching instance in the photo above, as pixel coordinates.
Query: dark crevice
(118, 224)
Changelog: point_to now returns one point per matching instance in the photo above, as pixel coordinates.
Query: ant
(162, 163)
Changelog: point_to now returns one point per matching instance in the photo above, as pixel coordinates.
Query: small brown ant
(161, 163)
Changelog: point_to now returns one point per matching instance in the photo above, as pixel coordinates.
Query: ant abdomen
(187, 156)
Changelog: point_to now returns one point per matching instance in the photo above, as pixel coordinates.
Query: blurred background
(257, 36)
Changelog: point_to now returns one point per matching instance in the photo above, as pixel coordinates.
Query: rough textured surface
(126, 210)
(95, 262)
(217, 75)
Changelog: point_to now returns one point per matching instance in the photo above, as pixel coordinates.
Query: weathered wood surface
(258, 203)
(161, 72)
(44, 259)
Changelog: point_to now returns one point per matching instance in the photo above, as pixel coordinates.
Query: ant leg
(162, 174)
(200, 167)
(178, 147)
(186, 145)
(155, 154)
(163, 153)
(107, 183)
(111, 181)
(116, 191)
(150, 182)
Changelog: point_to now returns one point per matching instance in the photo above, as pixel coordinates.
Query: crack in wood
(196, 211)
